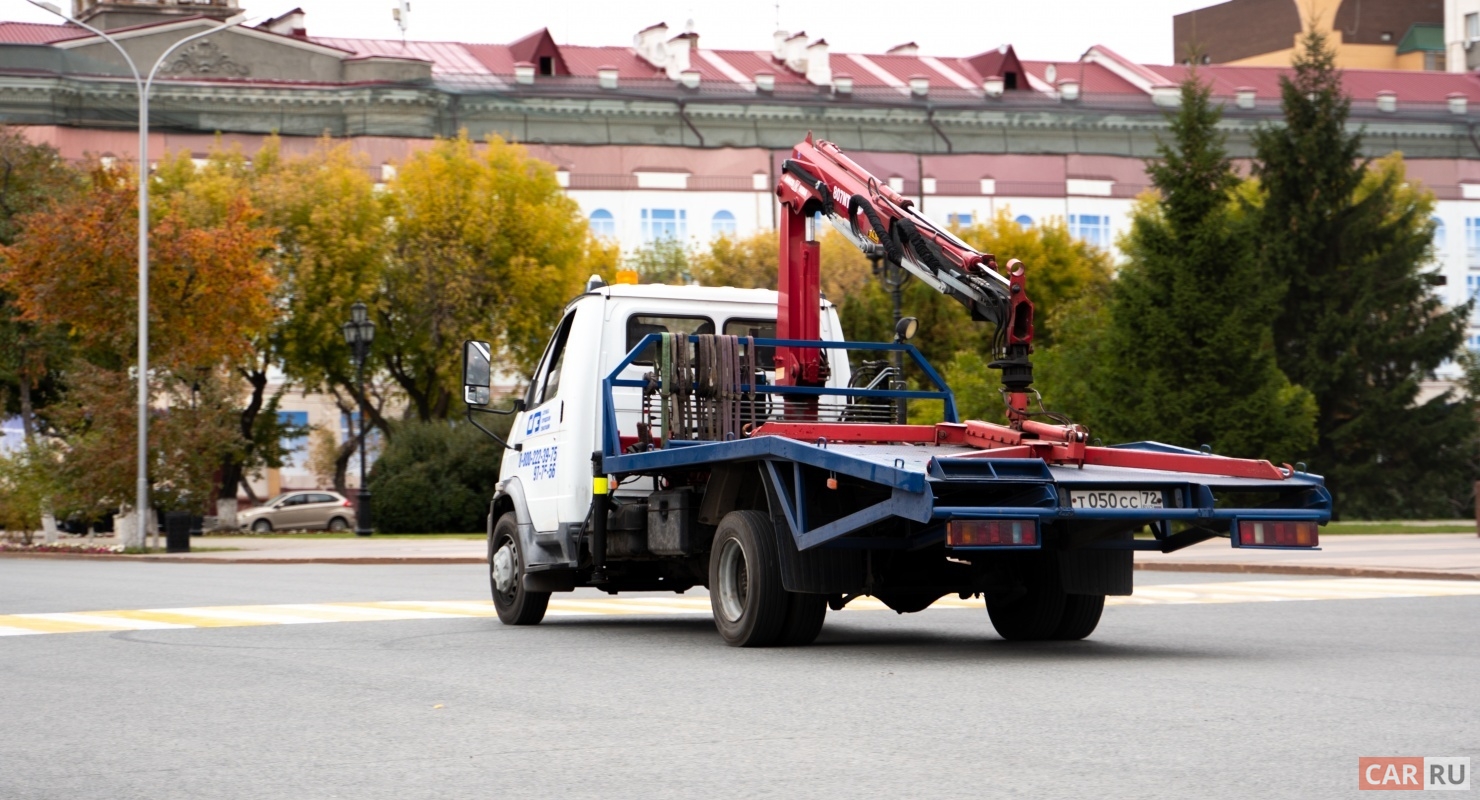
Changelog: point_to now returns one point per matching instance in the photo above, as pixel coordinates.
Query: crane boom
(820, 179)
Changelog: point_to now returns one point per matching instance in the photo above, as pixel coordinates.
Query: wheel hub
(504, 571)
(734, 581)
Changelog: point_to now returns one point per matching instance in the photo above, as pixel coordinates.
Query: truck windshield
(546, 382)
(640, 325)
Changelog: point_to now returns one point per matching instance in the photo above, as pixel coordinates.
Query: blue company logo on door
(537, 422)
(542, 461)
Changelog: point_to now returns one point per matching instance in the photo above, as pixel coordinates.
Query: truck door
(547, 466)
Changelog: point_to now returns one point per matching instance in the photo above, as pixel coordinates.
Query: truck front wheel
(745, 592)
(515, 604)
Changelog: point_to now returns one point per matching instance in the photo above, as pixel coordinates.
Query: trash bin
(177, 532)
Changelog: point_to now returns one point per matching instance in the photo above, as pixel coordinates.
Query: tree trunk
(131, 534)
(347, 450)
(233, 468)
(49, 532)
(226, 512)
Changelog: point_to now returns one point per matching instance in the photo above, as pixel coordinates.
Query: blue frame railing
(611, 437)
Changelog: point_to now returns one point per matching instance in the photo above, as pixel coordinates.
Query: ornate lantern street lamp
(359, 332)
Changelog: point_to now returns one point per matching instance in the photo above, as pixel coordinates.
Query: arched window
(603, 223)
(723, 224)
(1024, 220)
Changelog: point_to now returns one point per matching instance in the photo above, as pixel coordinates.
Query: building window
(723, 224)
(1472, 242)
(1092, 228)
(295, 439)
(959, 220)
(1024, 220)
(603, 223)
(1472, 26)
(664, 223)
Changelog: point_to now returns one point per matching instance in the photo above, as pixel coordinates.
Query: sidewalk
(1453, 556)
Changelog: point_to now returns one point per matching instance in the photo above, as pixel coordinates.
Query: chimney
(651, 44)
(819, 66)
(796, 52)
(906, 49)
(680, 53)
(289, 24)
(778, 45)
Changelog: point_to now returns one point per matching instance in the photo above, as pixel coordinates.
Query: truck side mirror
(477, 373)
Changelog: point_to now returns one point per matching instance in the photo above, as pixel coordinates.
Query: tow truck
(682, 436)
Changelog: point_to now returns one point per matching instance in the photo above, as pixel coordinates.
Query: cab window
(760, 329)
(546, 383)
(640, 325)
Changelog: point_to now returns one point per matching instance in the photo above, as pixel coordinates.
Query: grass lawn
(1365, 527)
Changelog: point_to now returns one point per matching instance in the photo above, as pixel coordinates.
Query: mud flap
(821, 570)
(1097, 571)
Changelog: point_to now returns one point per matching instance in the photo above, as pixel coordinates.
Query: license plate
(1115, 499)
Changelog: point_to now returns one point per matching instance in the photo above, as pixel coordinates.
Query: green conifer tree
(1188, 355)
(1360, 325)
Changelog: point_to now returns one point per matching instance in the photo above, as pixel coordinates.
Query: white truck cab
(546, 473)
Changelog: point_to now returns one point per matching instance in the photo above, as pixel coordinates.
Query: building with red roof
(669, 137)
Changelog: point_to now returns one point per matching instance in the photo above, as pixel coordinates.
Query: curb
(1296, 569)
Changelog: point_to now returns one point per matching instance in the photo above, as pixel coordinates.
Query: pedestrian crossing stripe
(151, 619)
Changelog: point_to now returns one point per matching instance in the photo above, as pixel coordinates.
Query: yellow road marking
(1257, 591)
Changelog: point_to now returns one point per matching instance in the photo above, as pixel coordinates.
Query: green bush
(436, 477)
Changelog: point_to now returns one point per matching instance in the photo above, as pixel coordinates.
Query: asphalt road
(1217, 700)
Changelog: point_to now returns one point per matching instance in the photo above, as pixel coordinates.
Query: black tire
(262, 526)
(804, 618)
(1035, 613)
(339, 524)
(515, 605)
(750, 606)
(1081, 616)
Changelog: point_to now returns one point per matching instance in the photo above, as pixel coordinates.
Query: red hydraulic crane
(820, 179)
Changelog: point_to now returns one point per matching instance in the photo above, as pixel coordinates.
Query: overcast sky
(1039, 29)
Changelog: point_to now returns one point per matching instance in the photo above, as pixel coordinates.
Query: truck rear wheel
(1081, 616)
(515, 604)
(1038, 610)
(804, 618)
(750, 605)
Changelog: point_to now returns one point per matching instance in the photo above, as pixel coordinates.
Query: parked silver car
(301, 511)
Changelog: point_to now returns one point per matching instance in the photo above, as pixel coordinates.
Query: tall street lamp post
(142, 85)
(359, 332)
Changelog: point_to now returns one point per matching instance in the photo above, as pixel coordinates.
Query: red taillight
(991, 533)
(348, 504)
(1260, 533)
